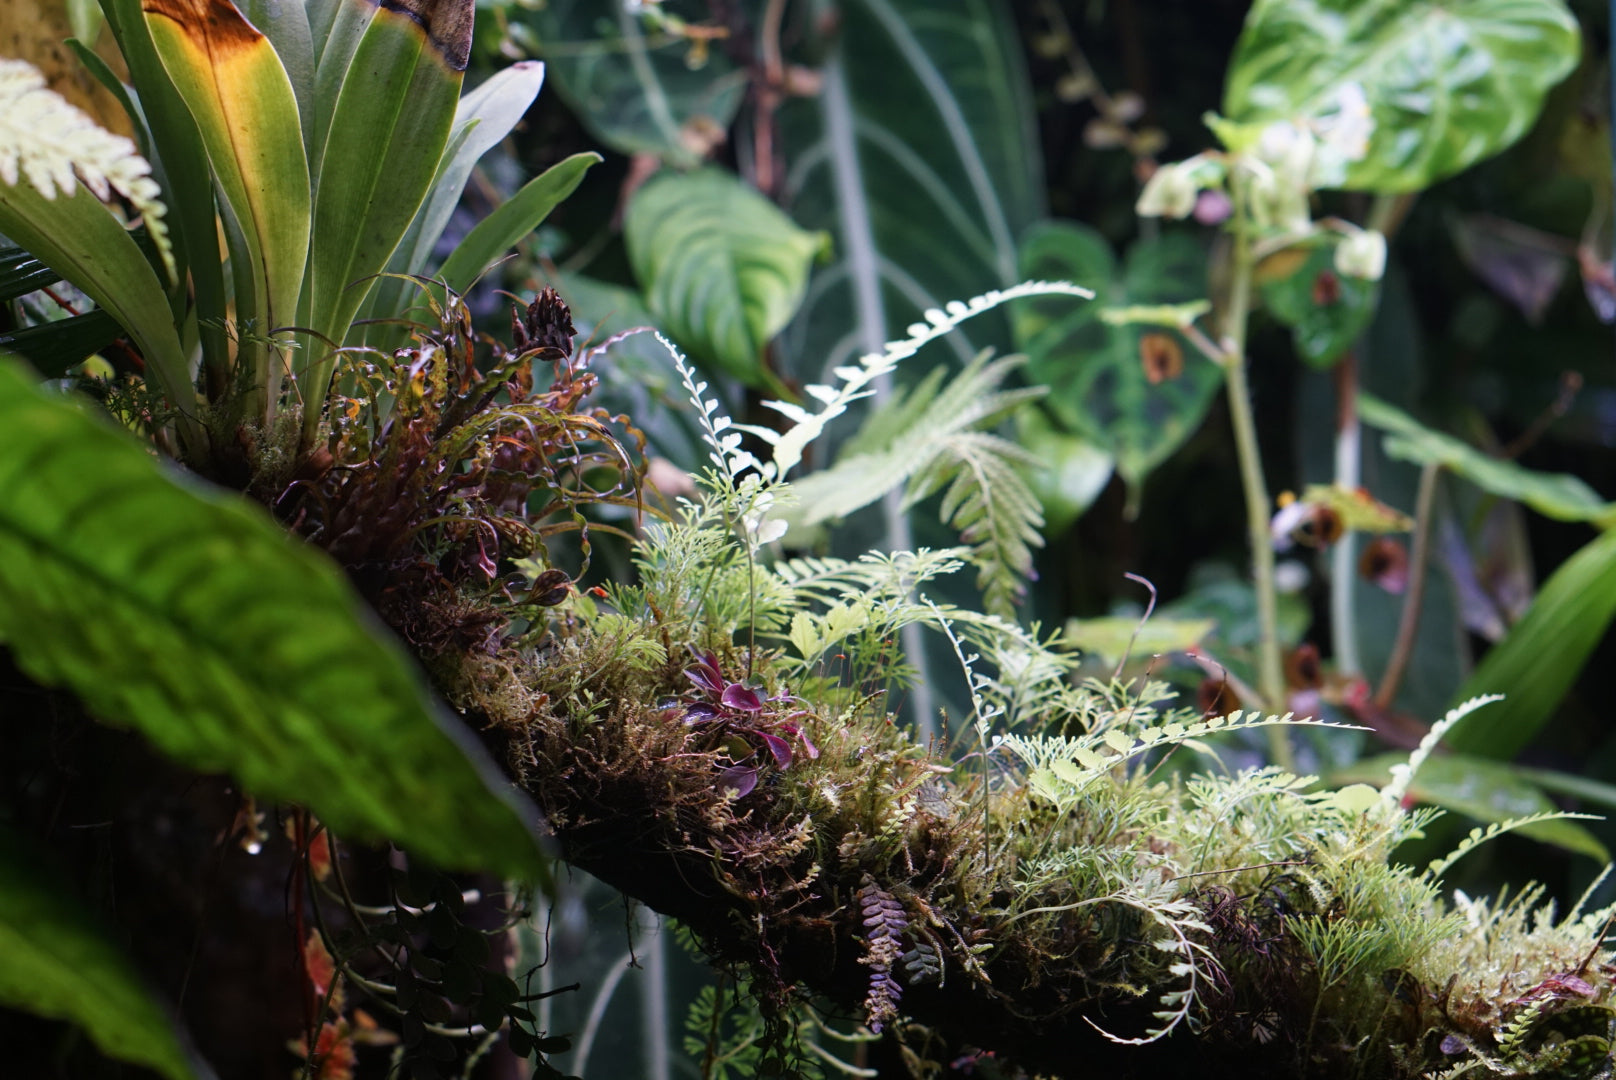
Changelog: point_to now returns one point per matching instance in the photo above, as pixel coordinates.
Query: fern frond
(905, 437)
(54, 147)
(1060, 768)
(856, 380)
(1402, 775)
(930, 438)
(1479, 836)
(992, 507)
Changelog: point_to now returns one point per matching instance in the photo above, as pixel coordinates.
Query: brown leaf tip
(218, 23)
(447, 24)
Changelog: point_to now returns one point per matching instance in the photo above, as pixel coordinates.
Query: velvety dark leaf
(636, 91)
(53, 348)
(920, 156)
(21, 273)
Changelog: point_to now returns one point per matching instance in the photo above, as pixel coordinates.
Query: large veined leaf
(1102, 384)
(391, 104)
(1449, 82)
(920, 157)
(57, 961)
(1488, 791)
(722, 268)
(1556, 495)
(1540, 657)
(636, 90)
(189, 615)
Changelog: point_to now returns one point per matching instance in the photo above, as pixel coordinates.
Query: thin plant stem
(1385, 215)
(1348, 466)
(1270, 673)
(1409, 624)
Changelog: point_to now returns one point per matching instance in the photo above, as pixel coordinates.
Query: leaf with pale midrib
(187, 614)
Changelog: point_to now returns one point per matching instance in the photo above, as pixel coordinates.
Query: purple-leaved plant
(738, 713)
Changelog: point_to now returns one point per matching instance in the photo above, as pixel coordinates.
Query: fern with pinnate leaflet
(930, 439)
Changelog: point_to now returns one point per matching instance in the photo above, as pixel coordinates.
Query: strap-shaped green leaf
(1448, 82)
(483, 118)
(391, 104)
(56, 961)
(515, 218)
(721, 266)
(242, 101)
(1537, 662)
(1561, 496)
(187, 614)
(182, 160)
(80, 239)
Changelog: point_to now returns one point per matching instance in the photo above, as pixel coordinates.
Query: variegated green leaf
(1101, 386)
(1448, 82)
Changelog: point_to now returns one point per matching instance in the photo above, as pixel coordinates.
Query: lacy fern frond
(857, 380)
(931, 439)
(1062, 767)
(992, 507)
(1402, 775)
(1479, 836)
(55, 146)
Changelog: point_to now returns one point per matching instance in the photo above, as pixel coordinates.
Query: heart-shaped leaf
(1120, 387)
(1449, 82)
(1325, 309)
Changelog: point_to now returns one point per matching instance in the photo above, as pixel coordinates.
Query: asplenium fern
(931, 439)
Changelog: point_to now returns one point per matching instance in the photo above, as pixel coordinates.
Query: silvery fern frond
(54, 147)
